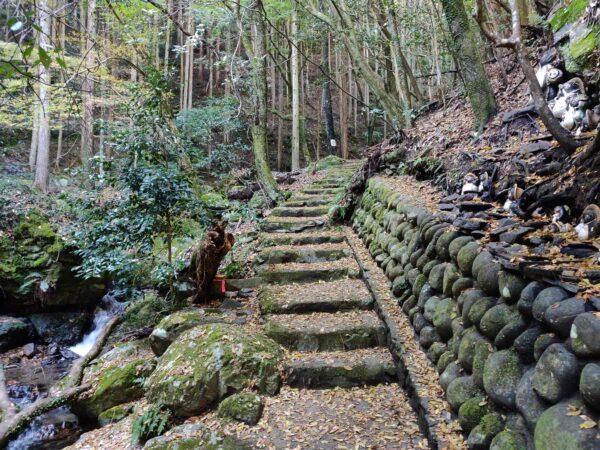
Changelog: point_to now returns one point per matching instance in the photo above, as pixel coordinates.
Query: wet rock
(14, 332)
(426, 293)
(419, 283)
(560, 316)
(466, 256)
(445, 312)
(510, 332)
(501, 374)
(528, 295)
(436, 350)
(585, 333)
(465, 302)
(479, 308)
(543, 342)
(556, 373)
(589, 385)
(495, 319)
(481, 260)
(244, 407)
(409, 303)
(487, 278)
(429, 266)
(482, 435)
(524, 344)
(528, 403)
(510, 286)
(419, 321)
(209, 362)
(430, 306)
(399, 286)
(452, 372)
(471, 412)
(509, 440)
(460, 390)
(557, 428)
(116, 377)
(466, 351)
(63, 328)
(545, 299)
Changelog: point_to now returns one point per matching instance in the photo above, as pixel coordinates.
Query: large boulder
(14, 333)
(63, 328)
(170, 327)
(208, 362)
(560, 428)
(501, 375)
(194, 436)
(556, 373)
(35, 262)
(585, 333)
(117, 377)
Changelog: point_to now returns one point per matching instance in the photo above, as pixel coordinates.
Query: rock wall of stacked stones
(519, 359)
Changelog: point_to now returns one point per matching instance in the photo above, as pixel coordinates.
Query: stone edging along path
(415, 371)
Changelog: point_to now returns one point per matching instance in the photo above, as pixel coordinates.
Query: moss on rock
(244, 407)
(471, 412)
(208, 362)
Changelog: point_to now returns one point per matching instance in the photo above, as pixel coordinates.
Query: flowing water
(60, 427)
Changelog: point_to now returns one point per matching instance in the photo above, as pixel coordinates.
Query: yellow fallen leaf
(587, 424)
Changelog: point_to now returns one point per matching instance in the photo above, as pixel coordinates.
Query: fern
(151, 424)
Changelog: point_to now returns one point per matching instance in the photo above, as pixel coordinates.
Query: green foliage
(147, 191)
(154, 422)
(567, 14)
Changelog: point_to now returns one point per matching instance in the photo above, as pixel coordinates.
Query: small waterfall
(102, 315)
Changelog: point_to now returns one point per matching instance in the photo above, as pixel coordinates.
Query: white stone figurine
(471, 184)
(588, 226)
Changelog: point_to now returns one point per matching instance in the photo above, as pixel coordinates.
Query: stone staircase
(316, 305)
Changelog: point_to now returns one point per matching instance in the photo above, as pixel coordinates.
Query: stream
(60, 427)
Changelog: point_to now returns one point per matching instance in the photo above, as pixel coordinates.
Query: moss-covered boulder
(471, 412)
(589, 385)
(480, 260)
(501, 376)
(451, 274)
(466, 256)
(481, 352)
(510, 285)
(244, 407)
(36, 263)
(495, 319)
(487, 278)
(114, 414)
(509, 440)
(560, 427)
(557, 373)
(208, 362)
(117, 377)
(194, 436)
(14, 333)
(170, 327)
(461, 390)
(482, 435)
(445, 312)
(466, 350)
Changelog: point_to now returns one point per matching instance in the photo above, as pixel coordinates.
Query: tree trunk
(326, 95)
(295, 74)
(256, 49)
(87, 87)
(467, 49)
(43, 145)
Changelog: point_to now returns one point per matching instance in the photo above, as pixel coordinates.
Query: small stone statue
(576, 108)
(471, 184)
(589, 223)
(591, 119)
(560, 219)
(565, 91)
(514, 194)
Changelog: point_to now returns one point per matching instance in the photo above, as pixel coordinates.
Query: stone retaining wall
(519, 359)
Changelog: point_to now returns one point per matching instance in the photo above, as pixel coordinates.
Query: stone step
(314, 237)
(307, 272)
(340, 369)
(303, 253)
(332, 296)
(327, 331)
(312, 211)
(339, 184)
(293, 224)
(321, 191)
(310, 201)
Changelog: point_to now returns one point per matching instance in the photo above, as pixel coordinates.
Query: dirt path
(341, 390)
